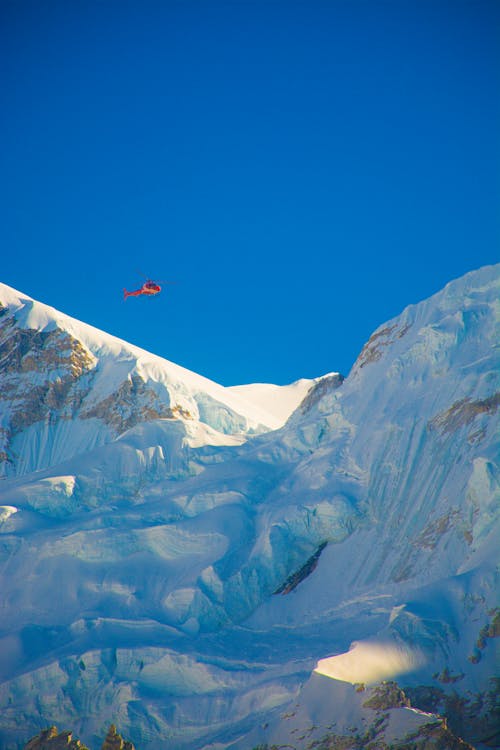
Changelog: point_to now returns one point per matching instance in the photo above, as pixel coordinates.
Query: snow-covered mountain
(176, 568)
(66, 387)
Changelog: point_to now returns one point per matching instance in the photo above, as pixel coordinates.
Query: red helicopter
(149, 288)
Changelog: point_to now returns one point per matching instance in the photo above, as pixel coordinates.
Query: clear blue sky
(303, 170)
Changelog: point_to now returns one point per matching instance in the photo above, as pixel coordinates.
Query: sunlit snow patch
(6, 511)
(370, 662)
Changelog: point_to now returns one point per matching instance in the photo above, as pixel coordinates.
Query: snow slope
(66, 387)
(278, 400)
(185, 586)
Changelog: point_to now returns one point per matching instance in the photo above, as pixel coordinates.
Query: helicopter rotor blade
(148, 278)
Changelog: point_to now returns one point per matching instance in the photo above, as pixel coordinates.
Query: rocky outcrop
(387, 695)
(378, 341)
(475, 716)
(463, 412)
(309, 567)
(434, 738)
(47, 377)
(381, 718)
(51, 739)
(131, 403)
(44, 376)
(326, 384)
(115, 741)
(429, 737)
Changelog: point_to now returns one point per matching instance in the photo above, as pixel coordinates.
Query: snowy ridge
(68, 387)
(184, 584)
(280, 401)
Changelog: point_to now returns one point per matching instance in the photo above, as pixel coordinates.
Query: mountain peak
(67, 387)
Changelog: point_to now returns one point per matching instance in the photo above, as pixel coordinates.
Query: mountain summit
(175, 565)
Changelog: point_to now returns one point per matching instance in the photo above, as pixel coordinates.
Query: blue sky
(302, 170)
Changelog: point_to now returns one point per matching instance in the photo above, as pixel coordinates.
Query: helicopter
(149, 288)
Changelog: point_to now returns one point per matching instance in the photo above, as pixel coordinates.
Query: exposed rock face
(463, 412)
(325, 385)
(43, 378)
(309, 567)
(115, 741)
(380, 718)
(387, 695)
(131, 403)
(429, 737)
(378, 341)
(434, 738)
(475, 716)
(51, 739)
(41, 351)
(47, 376)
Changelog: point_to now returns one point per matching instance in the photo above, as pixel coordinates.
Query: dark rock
(294, 579)
(115, 741)
(50, 739)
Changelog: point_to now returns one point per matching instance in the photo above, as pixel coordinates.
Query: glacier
(187, 561)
